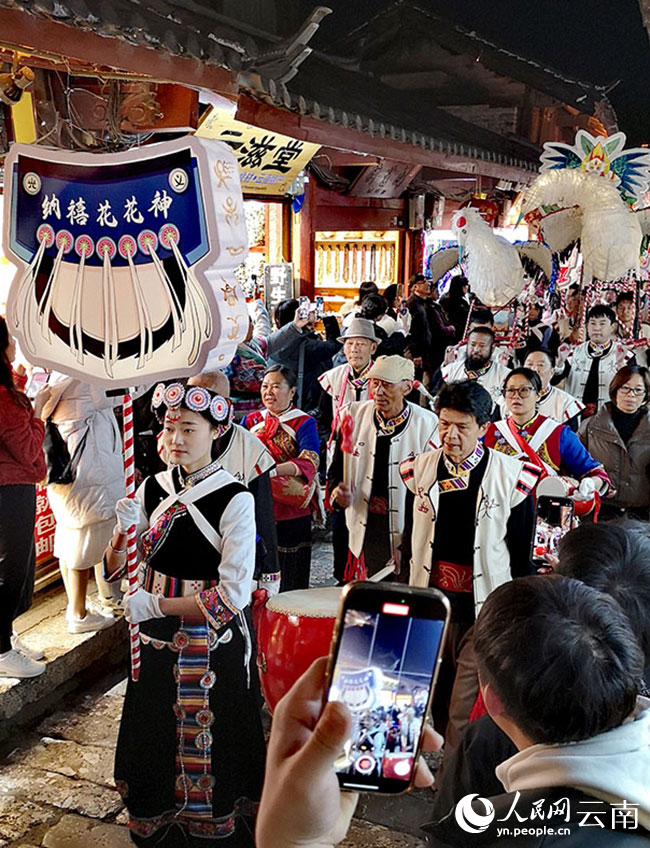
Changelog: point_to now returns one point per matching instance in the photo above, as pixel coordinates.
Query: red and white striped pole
(131, 542)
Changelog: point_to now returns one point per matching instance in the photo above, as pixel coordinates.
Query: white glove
(451, 354)
(141, 606)
(272, 586)
(621, 355)
(127, 511)
(586, 489)
(562, 356)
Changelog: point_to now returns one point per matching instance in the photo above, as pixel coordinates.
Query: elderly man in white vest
(592, 365)
(469, 514)
(347, 383)
(386, 430)
(480, 364)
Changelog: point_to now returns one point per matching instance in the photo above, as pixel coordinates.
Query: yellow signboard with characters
(268, 161)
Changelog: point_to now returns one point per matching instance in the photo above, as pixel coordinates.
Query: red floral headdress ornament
(214, 407)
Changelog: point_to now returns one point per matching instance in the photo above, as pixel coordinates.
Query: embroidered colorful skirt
(190, 754)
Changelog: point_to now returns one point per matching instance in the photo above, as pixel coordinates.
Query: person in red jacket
(22, 465)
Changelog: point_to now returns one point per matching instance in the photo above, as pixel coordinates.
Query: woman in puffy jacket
(618, 436)
(85, 509)
(22, 465)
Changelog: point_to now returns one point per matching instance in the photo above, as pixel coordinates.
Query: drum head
(309, 603)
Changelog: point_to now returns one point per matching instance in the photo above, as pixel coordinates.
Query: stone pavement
(56, 785)
(67, 655)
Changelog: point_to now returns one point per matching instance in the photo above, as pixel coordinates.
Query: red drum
(295, 629)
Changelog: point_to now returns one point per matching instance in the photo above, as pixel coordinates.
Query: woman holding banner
(190, 753)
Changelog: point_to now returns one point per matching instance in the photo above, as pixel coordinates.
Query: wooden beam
(273, 118)
(34, 34)
(345, 158)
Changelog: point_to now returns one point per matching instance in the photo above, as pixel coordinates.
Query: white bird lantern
(494, 269)
(610, 233)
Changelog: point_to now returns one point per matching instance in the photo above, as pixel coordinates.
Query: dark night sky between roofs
(599, 41)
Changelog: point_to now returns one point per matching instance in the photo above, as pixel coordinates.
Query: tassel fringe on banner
(148, 241)
(201, 325)
(127, 247)
(45, 236)
(106, 249)
(84, 247)
(29, 310)
(65, 243)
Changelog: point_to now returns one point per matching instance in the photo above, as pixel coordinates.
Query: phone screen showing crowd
(383, 673)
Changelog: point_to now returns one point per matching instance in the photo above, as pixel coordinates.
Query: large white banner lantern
(126, 260)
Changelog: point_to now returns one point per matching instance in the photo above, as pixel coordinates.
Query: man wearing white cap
(386, 430)
(340, 386)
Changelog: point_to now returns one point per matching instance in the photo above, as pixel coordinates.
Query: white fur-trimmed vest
(580, 367)
(492, 380)
(245, 457)
(414, 439)
(332, 383)
(506, 483)
(559, 405)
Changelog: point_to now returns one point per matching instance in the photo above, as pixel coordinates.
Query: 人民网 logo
(469, 819)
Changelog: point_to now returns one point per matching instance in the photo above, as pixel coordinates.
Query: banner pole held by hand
(131, 542)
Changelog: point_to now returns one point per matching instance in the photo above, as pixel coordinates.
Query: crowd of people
(411, 431)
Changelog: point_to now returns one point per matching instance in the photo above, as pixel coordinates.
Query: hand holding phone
(385, 655)
(302, 804)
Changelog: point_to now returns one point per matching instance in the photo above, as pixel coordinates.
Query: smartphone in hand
(385, 654)
(553, 519)
(304, 306)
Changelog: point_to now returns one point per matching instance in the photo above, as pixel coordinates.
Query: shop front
(346, 240)
(344, 259)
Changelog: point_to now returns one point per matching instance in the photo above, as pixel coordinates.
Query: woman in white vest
(386, 430)
(248, 460)
(531, 436)
(553, 402)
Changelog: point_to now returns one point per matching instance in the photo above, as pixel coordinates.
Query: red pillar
(303, 245)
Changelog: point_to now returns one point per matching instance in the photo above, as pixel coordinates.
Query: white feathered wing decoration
(494, 270)
(610, 233)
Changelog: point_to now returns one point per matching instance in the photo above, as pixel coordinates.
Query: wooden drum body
(295, 629)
